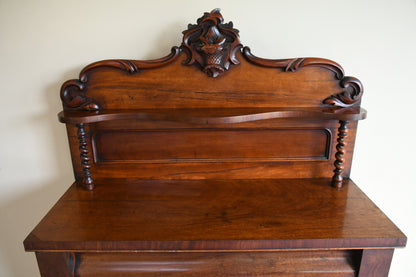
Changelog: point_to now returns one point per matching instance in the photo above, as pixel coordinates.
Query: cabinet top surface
(214, 215)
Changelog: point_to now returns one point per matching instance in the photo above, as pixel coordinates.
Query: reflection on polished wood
(215, 227)
(213, 215)
(213, 115)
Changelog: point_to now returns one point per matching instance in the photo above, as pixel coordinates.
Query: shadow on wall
(19, 216)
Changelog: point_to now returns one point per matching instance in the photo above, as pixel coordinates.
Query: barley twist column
(85, 159)
(339, 155)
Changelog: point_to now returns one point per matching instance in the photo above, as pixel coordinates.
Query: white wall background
(43, 43)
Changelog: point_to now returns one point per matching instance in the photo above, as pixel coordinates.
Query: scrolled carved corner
(350, 97)
(211, 44)
(73, 96)
(293, 65)
(352, 87)
(73, 92)
(131, 66)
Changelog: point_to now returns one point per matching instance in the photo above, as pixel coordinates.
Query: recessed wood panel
(285, 263)
(196, 145)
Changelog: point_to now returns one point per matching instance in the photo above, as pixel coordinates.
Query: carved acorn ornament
(211, 44)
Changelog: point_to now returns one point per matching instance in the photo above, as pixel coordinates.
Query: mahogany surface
(211, 161)
(261, 263)
(214, 115)
(213, 215)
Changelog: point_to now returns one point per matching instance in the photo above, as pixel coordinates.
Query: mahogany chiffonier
(213, 162)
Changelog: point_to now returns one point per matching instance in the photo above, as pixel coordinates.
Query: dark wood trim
(212, 116)
(260, 263)
(73, 96)
(132, 66)
(87, 180)
(234, 245)
(211, 44)
(350, 97)
(293, 65)
(73, 92)
(337, 179)
(375, 262)
(353, 89)
(56, 264)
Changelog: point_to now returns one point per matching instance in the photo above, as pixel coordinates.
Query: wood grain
(248, 165)
(376, 262)
(211, 145)
(203, 176)
(287, 264)
(213, 215)
(247, 85)
(56, 264)
(213, 116)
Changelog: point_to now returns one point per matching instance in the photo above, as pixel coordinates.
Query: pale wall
(43, 43)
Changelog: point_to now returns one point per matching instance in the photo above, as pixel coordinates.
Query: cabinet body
(213, 162)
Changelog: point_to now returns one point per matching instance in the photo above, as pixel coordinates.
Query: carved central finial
(211, 44)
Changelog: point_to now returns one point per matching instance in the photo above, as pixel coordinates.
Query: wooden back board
(212, 110)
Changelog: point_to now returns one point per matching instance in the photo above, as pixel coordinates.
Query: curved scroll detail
(294, 64)
(211, 44)
(73, 96)
(73, 92)
(131, 66)
(349, 97)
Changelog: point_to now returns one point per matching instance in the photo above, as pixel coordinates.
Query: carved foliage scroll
(73, 96)
(73, 92)
(349, 97)
(211, 44)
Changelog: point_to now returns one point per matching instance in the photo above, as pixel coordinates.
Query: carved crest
(211, 44)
